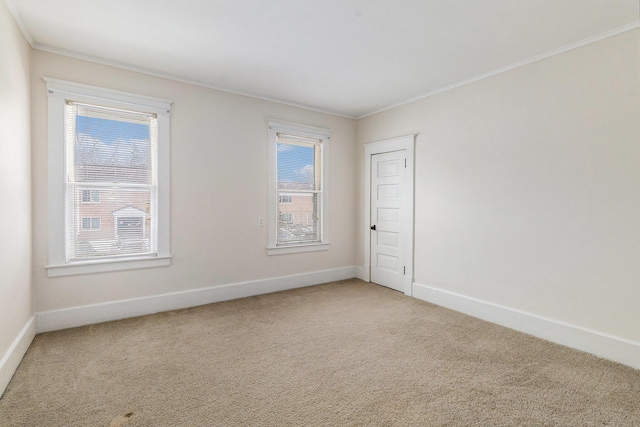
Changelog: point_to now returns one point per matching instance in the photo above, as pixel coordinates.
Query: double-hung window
(298, 193)
(90, 196)
(91, 223)
(108, 179)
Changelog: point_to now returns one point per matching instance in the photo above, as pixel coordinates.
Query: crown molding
(141, 70)
(168, 76)
(16, 17)
(518, 64)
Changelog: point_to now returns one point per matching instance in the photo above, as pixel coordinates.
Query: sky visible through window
(112, 142)
(295, 164)
(108, 131)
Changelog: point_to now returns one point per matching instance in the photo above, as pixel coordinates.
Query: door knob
(373, 227)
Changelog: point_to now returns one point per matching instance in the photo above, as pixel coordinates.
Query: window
(91, 223)
(298, 188)
(90, 196)
(108, 180)
(286, 217)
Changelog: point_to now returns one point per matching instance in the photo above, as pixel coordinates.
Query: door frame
(406, 143)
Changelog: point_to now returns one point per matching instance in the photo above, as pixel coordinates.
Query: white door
(388, 174)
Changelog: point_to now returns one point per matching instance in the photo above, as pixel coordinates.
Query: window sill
(101, 266)
(280, 250)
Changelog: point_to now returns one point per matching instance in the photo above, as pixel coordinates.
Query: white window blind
(299, 188)
(111, 187)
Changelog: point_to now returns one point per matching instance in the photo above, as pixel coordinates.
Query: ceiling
(347, 57)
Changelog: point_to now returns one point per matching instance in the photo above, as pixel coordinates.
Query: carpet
(347, 353)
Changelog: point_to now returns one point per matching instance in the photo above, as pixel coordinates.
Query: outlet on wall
(260, 222)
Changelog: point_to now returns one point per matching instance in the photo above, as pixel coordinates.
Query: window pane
(285, 198)
(111, 161)
(297, 167)
(90, 196)
(298, 220)
(111, 145)
(119, 224)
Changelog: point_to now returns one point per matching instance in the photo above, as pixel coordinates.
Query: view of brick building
(110, 221)
(297, 216)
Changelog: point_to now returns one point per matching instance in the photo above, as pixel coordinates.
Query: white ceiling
(348, 57)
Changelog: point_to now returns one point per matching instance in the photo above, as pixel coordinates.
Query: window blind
(299, 187)
(111, 161)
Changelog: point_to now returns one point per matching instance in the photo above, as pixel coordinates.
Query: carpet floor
(347, 353)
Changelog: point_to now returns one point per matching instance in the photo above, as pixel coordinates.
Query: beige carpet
(343, 354)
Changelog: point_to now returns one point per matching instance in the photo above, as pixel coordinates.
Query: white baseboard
(361, 273)
(602, 345)
(13, 356)
(116, 310)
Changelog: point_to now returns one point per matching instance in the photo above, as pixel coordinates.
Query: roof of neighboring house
(129, 211)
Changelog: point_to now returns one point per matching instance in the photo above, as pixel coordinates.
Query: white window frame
(59, 92)
(323, 134)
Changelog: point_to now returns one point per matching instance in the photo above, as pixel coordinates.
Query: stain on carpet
(121, 421)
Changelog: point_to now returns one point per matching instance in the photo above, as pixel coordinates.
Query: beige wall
(528, 186)
(218, 189)
(15, 182)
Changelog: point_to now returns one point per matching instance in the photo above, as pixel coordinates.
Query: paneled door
(388, 174)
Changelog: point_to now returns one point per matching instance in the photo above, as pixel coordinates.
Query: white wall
(218, 190)
(528, 187)
(15, 196)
